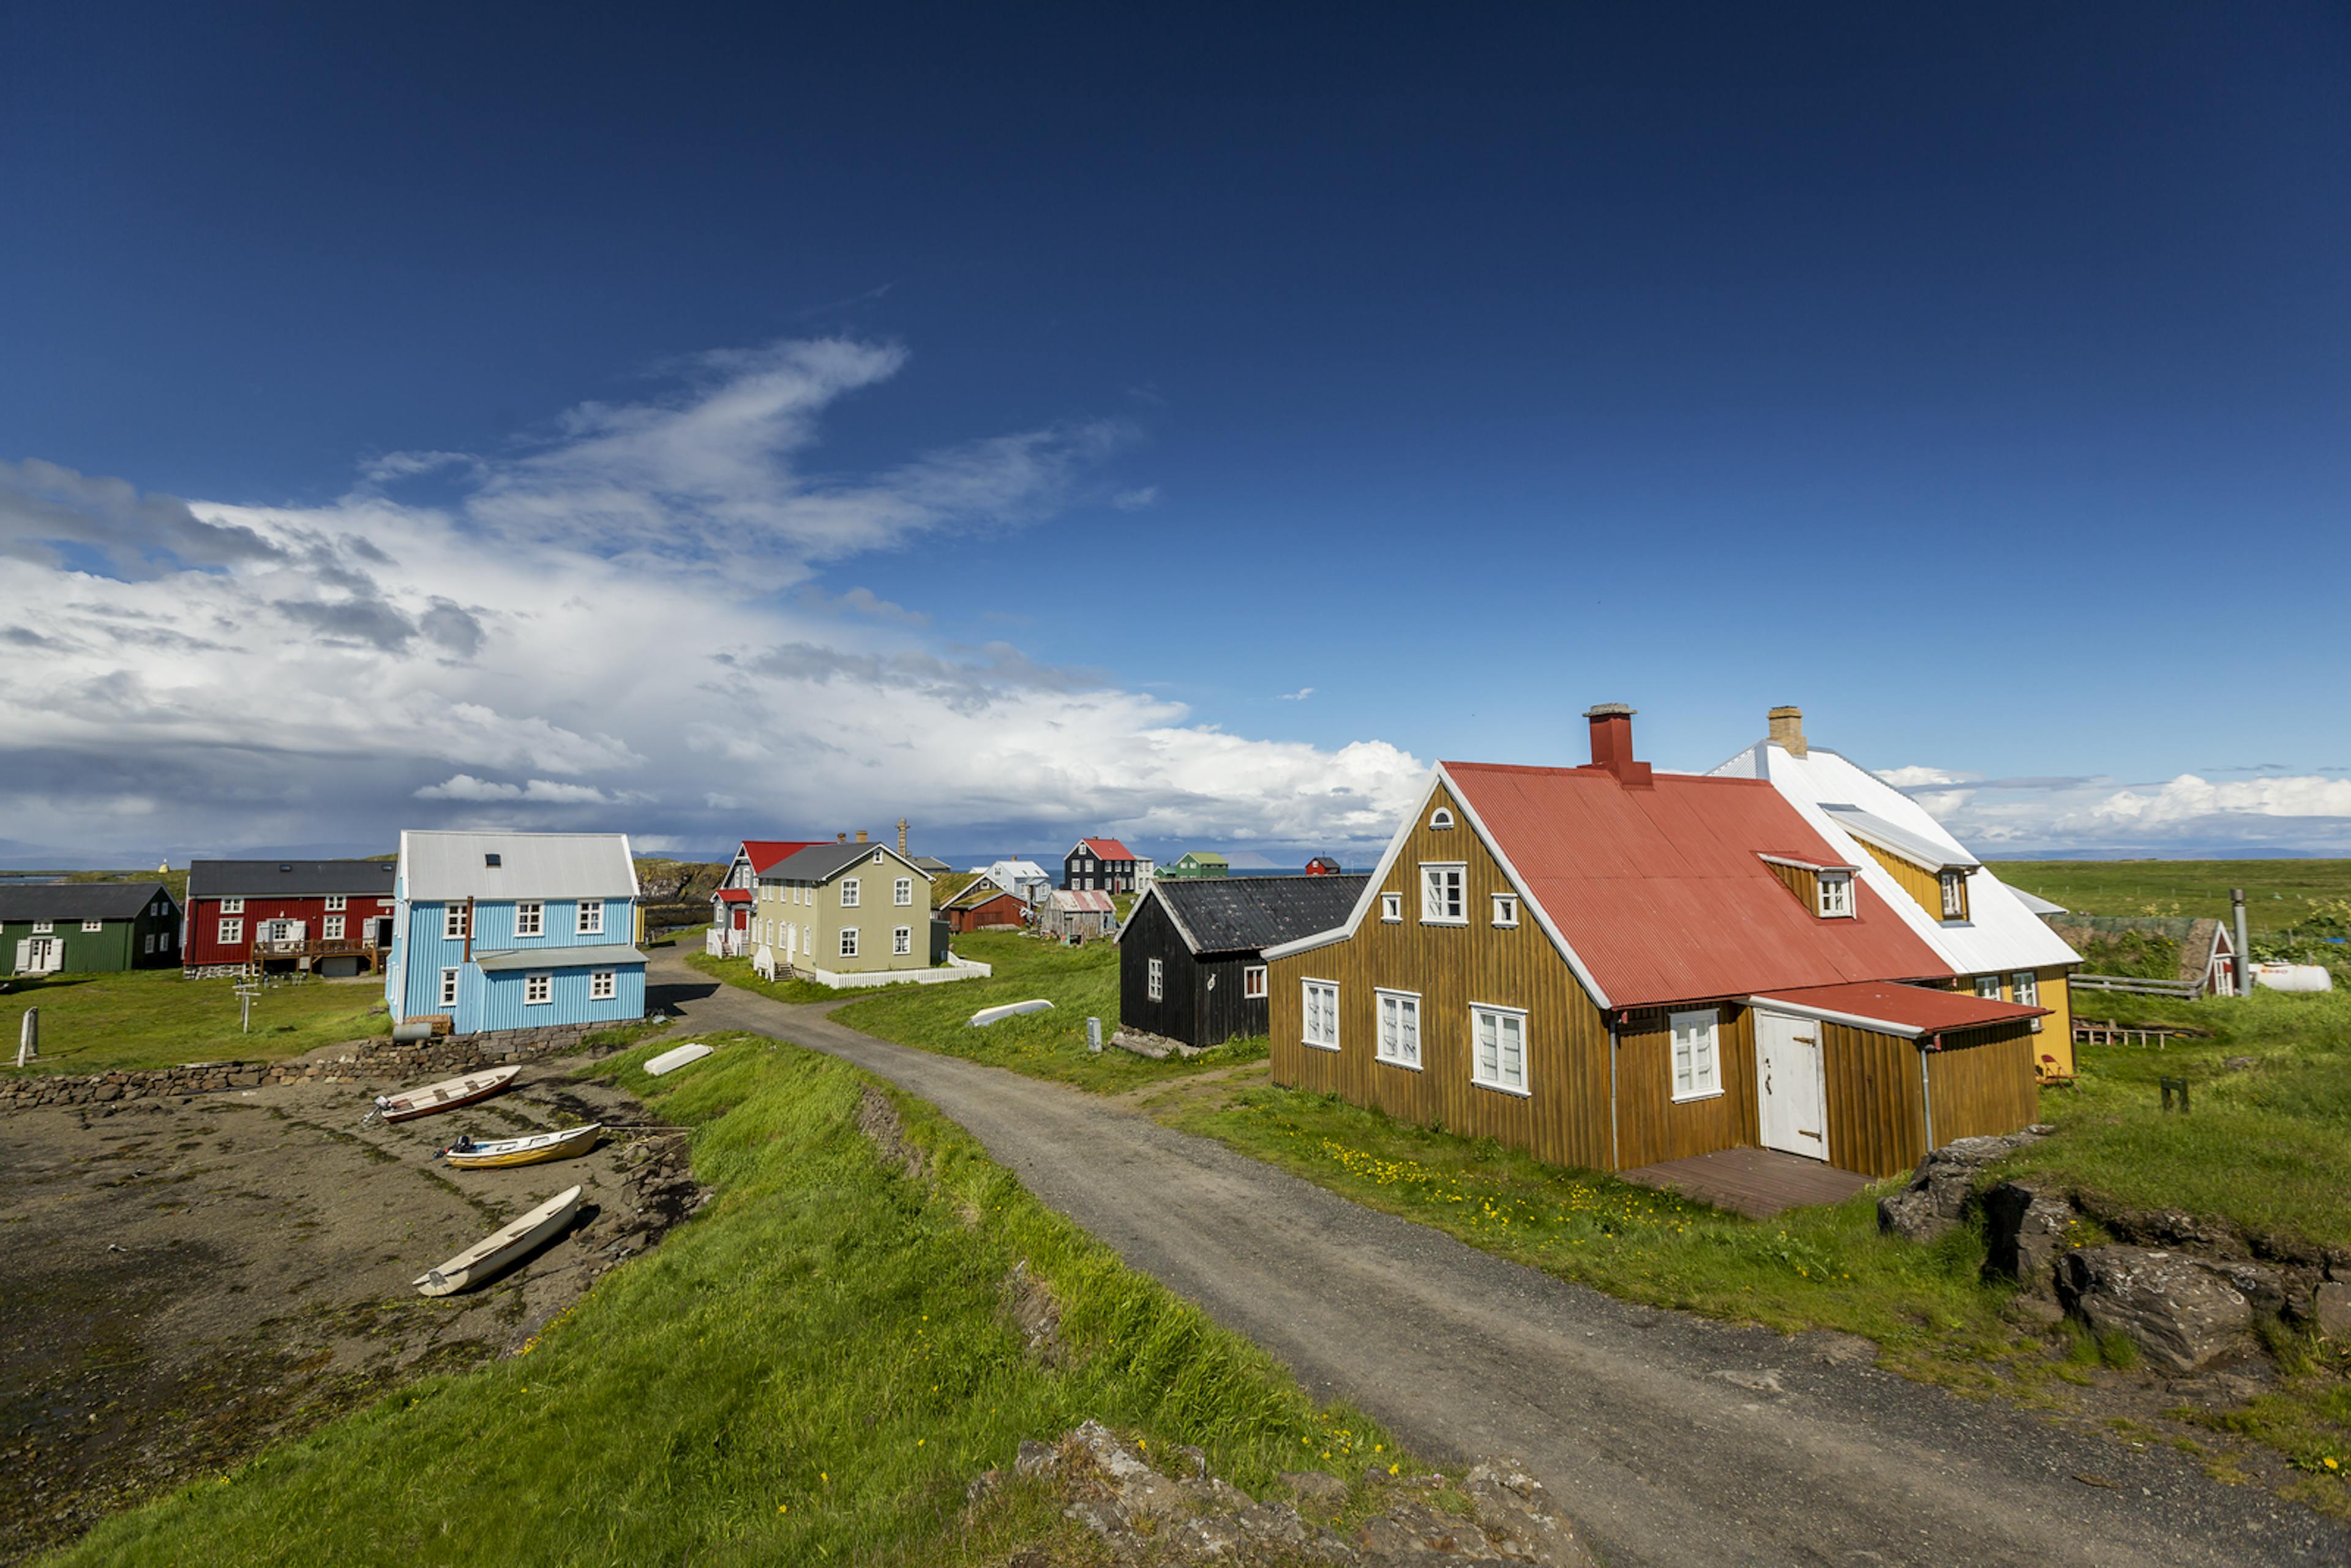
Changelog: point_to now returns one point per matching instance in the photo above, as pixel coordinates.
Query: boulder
(2330, 1309)
(2175, 1312)
(2026, 1227)
(2264, 1288)
(1937, 1196)
(1315, 1486)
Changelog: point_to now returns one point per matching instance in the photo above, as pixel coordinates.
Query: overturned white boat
(671, 1060)
(493, 1255)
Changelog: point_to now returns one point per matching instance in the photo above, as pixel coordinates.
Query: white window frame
(901, 942)
(849, 941)
(93, 926)
(269, 929)
(1838, 904)
(1441, 819)
(1504, 1017)
(1506, 909)
(2026, 983)
(851, 893)
(530, 917)
(1318, 1013)
(452, 921)
(538, 989)
(387, 904)
(1398, 1038)
(336, 903)
(1253, 982)
(902, 891)
(170, 936)
(331, 928)
(45, 928)
(150, 942)
(1155, 981)
(603, 985)
(1451, 876)
(232, 930)
(232, 907)
(1954, 886)
(1694, 1039)
(1392, 908)
(448, 988)
(1991, 994)
(587, 917)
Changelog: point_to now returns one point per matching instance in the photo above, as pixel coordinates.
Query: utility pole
(2244, 947)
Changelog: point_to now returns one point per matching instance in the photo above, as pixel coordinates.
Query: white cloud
(2188, 796)
(1136, 501)
(1914, 777)
(1299, 695)
(2185, 815)
(588, 633)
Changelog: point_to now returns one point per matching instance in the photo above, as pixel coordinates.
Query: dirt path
(1672, 1440)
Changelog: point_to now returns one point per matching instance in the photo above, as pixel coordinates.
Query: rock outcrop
(2179, 1314)
(1936, 1200)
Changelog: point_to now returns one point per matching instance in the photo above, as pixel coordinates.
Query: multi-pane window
(1440, 818)
(1497, 1048)
(1955, 894)
(1506, 909)
(1392, 906)
(280, 931)
(2028, 992)
(43, 927)
(93, 926)
(902, 891)
(592, 917)
(530, 918)
(1988, 986)
(1837, 894)
(538, 989)
(332, 927)
(1253, 982)
(452, 921)
(1696, 1057)
(232, 907)
(1321, 1014)
(902, 941)
(602, 985)
(337, 902)
(232, 930)
(1153, 979)
(849, 941)
(150, 942)
(1399, 1028)
(448, 988)
(849, 892)
(1442, 900)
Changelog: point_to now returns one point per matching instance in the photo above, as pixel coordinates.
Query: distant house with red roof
(1099, 865)
(731, 900)
(1609, 966)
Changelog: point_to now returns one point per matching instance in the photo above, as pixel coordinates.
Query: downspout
(469, 929)
(1614, 1161)
(1927, 1088)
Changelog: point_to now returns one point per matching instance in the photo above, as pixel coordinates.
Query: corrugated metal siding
(1982, 1084)
(1650, 1126)
(494, 1000)
(494, 924)
(1876, 1104)
(426, 953)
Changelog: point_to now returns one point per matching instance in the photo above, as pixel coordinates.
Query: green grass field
(810, 1371)
(152, 1017)
(2278, 892)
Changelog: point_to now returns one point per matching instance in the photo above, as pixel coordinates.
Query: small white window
(1442, 900)
(2028, 992)
(1988, 987)
(849, 892)
(1153, 979)
(232, 907)
(1391, 907)
(592, 917)
(902, 941)
(1440, 819)
(1321, 1014)
(530, 918)
(538, 989)
(1697, 1061)
(232, 930)
(1399, 1029)
(43, 927)
(168, 937)
(448, 988)
(1506, 909)
(452, 921)
(877, 857)
(337, 902)
(1836, 894)
(1955, 894)
(384, 904)
(902, 891)
(1497, 1055)
(849, 941)
(602, 985)
(332, 927)
(150, 942)
(93, 926)
(1253, 983)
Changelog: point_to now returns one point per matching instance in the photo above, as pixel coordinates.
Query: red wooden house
(333, 917)
(983, 905)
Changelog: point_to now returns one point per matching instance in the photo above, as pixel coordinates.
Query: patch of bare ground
(879, 1120)
(188, 1278)
(1157, 1098)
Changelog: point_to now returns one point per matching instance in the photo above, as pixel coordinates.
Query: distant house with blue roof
(498, 931)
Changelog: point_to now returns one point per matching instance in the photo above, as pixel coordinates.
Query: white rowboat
(494, 1255)
(671, 1060)
(445, 1095)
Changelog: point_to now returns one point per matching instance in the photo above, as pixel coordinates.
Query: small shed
(984, 906)
(1323, 865)
(1191, 964)
(2207, 957)
(67, 927)
(1194, 863)
(1077, 912)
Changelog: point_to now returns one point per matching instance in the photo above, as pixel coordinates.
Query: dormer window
(1955, 894)
(1441, 819)
(1836, 894)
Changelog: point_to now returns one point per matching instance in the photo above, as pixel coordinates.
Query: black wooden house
(1190, 963)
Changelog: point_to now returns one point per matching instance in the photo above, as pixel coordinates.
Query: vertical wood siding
(1563, 1118)
(1804, 885)
(2056, 1036)
(1650, 1126)
(1923, 886)
(1877, 1103)
(1982, 1082)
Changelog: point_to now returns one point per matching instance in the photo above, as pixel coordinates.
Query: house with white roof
(499, 931)
(1025, 879)
(2000, 950)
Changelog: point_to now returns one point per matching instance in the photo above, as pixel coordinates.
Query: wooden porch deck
(1756, 1183)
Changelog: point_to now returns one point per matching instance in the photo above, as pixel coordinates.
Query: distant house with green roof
(1197, 863)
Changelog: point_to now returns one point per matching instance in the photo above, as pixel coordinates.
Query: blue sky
(759, 421)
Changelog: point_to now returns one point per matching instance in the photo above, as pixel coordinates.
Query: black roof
(78, 900)
(818, 862)
(295, 879)
(1244, 913)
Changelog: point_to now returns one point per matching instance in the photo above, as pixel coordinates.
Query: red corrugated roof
(1660, 892)
(1086, 901)
(734, 895)
(1911, 1007)
(1108, 848)
(765, 852)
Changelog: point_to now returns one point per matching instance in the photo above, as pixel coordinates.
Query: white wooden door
(44, 955)
(1791, 1107)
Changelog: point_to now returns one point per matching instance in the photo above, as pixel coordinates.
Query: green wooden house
(1195, 864)
(76, 928)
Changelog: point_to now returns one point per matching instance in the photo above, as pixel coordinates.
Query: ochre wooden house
(1610, 968)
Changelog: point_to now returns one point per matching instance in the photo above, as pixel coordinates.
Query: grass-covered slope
(810, 1371)
(2278, 892)
(152, 1017)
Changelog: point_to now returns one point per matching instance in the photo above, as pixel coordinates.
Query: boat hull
(533, 1152)
(501, 1250)
(445, 1095)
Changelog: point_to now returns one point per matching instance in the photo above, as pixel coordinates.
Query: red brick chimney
(1611, 743)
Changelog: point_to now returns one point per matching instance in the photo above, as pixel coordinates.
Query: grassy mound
(152, 1017)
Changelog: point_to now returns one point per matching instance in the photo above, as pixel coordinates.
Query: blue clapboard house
(495, 931)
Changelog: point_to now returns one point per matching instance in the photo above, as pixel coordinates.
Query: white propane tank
(2294, 977)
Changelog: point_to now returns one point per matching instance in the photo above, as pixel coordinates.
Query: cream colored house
(842, 913)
